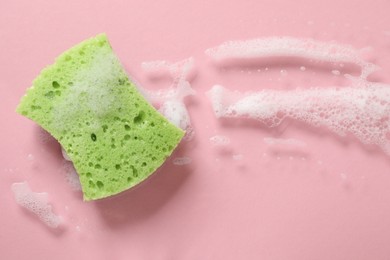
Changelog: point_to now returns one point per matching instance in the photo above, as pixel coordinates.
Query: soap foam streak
(291, 47)
(362, 111)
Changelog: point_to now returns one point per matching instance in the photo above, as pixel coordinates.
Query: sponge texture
(114, 137)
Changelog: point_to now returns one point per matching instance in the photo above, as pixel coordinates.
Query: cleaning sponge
(114, 137)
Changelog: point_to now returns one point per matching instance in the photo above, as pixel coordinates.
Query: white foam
(92, 89)
(176, 112)
(157, 68)
(182, 160)
(179, 72)
(363, 110)
(219, 140)
(72, 177)
(171, 101)
(36, 203)
(291, 47)
(65, 155)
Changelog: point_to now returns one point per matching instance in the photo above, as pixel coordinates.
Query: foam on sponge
(114, 137)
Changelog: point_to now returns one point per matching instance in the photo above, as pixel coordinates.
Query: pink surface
(330, 200)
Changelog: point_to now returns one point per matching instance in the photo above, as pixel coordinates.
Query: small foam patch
(114, 137)
(361, 110)
(71, 176)
(160, 68)
(179, 72)
(171, 101)
(182, 161)
(291, 47)
(219, 140)
(65, 155)
(35, 202)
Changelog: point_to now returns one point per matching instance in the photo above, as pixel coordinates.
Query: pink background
(329, 201)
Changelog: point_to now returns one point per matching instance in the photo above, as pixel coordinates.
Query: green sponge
(114, 137)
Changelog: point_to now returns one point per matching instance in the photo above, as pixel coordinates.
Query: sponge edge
(114, 137)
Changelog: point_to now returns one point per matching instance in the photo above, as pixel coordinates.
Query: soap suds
(363, 110)
(179, 72)
(37, 203)
(161, 68)
(171, 101)
(91, 87)
(71, 176)
(291, 47)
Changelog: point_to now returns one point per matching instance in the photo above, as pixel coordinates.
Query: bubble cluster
(37, 203)
(362, 110)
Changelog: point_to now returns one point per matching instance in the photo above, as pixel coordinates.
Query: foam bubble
(291, 47)
(37, 203)
(182, 160)
(362, 110)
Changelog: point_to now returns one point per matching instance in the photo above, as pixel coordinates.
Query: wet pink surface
(329, 200)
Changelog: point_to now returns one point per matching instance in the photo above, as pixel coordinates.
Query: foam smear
(171, 101)
(292, 47)
(161, 68)
(289, 142)
(71, 176)
(182, 161)
(179, 72)
(37, 203)
(65, 155)
(363, 111)
(219, 140)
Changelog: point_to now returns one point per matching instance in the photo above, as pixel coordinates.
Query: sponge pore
(114, 137)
